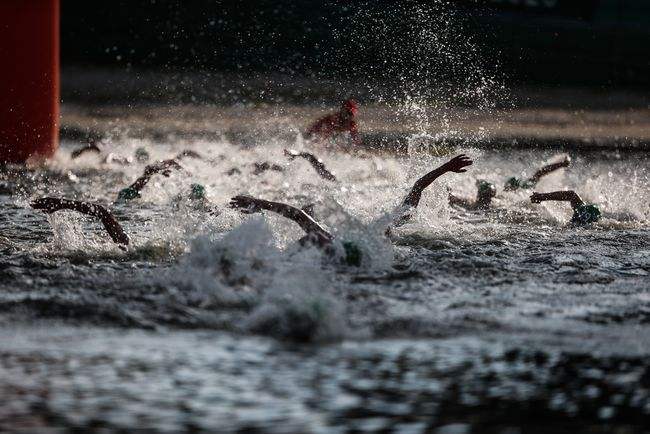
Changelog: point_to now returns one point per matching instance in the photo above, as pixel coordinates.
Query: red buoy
(29, 79)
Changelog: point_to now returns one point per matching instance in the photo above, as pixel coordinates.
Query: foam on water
(446, 270)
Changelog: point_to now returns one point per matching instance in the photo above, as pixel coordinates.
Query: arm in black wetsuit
(316, 163)
(563, 196)
(305, 221)
(550, 168)
(412, 199)
(51, 205)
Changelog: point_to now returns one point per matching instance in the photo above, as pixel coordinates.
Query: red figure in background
(29, 79)
(340, 122)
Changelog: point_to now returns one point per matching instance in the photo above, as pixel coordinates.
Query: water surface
(461, 320)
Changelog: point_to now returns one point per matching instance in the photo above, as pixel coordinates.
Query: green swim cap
(198, 192)
(586, 214)
(128, 193)
(486, 189)
(513, 183)
(352, 253)
(141, 155)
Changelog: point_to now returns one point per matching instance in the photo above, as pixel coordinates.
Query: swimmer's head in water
(127, 193)
(586, 214)
(197, 192)
(141, 155)
(352, 253)
(517, 183)
(486, 190)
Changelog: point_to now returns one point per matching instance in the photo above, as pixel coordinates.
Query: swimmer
(340, 122)
(133, 191)
(412, 199)
(517, 183)
(319, 236)
(316, 163)
(485, 192)
(583, 213)
(197, 200)
(51, 205)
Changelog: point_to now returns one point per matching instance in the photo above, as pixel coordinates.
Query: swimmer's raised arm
(164, 167)
(91, 147)
(564, 196)
(550, 168)
(250, 204)
(316, 163)
(456, 164)
(51, 205)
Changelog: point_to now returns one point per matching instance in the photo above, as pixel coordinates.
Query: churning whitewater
(516, 268)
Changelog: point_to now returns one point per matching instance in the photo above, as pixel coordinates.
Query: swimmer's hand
(291, 153)
(246, 204)
(457, 164)
(536, 197)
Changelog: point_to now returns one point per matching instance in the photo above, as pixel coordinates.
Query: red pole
(29, 79)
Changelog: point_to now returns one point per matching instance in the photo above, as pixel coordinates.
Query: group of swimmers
(343, 121)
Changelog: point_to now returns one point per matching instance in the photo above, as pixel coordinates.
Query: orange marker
(29, 79)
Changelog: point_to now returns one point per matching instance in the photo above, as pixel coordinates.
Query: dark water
(506, 321)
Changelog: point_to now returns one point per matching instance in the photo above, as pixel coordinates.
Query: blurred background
(483, 55)
(585, 42)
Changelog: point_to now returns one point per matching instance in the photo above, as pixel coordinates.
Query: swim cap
(128, 193)
(513, 183)
(352, 253)
(486, 188)
(586, 214)
(198, 191)
(351, 106)
(141, 155)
